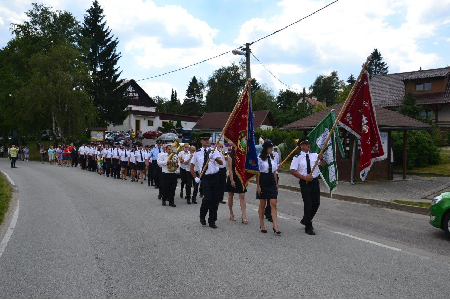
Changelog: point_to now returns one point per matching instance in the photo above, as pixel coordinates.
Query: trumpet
(224, 153)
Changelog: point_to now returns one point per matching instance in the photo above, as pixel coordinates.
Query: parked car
(152, 134)
(168, 137)
(440, 212)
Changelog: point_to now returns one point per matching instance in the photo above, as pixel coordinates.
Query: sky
(163, 35)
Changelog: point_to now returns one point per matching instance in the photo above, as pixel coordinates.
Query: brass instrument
(172, 162)
(177, 145)
(225, 154)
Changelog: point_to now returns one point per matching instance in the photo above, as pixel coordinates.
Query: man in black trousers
(301, 167)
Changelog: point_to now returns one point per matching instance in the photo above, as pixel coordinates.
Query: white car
(168, 137)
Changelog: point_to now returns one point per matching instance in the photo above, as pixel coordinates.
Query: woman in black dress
(234, 186)
(267, 186)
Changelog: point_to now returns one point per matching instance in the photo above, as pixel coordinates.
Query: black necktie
(159, 150)
(308, 164)
(270, 164)
(205, 159)
(141, 155)
(125, 153)
(117, 152)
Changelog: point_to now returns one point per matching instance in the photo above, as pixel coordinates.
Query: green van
(440, 212)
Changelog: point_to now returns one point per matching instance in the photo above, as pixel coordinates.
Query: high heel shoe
(277, 232)
(263, 230)
(244, 221)
(232, 218)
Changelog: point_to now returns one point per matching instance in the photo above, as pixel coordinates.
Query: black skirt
(141, 166)
(239, 189)
(268, 186)
(133, 166)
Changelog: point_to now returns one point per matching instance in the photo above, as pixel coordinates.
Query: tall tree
(100, 49)
(193, 104)
(41, 61)
(351, 80)
(326, 88)
(224, 87)
(376, 65)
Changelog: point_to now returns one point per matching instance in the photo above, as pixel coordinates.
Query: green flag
(317, 138)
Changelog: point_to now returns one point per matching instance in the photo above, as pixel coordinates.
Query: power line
(311, 14)
(274, 75)
(205, 60)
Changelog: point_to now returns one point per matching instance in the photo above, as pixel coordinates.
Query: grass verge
(413, 203)
(5, 196)
(443, 168)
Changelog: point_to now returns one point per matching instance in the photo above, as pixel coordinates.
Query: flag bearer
(309, 183)
(210, 182)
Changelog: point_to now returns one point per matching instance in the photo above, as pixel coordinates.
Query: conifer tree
(376, 64)
(193, 104)
(100, 52)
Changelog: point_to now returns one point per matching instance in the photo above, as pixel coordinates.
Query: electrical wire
(240, 48)
(289, 88)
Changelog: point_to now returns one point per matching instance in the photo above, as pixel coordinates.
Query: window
(428, 86)
(164, 123)
(419, 86)
(149, 122)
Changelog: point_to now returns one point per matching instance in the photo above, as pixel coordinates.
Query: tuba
(172, 161)
(177, 145)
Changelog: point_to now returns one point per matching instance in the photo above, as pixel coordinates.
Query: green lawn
(34, 153)
(443, 168)
(5, 196)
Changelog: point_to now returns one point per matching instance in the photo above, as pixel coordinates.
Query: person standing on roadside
(13, 152)
(51, 155)
(82, 154)
(74, 155)
(309, 182)
(2, 151)
(42, 152)
(26, 153)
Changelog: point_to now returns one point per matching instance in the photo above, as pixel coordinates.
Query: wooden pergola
(388, 121)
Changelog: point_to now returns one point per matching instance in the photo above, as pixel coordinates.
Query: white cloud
(162, 36)
(348, 31)
(153, 89)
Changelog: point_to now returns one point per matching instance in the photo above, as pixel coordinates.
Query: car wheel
(446, 224)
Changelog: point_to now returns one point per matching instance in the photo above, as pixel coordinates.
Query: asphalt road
(79, 234)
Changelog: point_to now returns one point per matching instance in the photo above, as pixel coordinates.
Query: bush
(421, 149)
(279, 137)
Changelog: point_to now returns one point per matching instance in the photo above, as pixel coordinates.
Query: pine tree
(351, 80)
(376, 64)
(193, 102)
(100, 50)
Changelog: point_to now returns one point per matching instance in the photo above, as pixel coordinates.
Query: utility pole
(247, 67)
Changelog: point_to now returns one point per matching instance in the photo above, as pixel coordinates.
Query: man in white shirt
(115, 160)
(205, 159)
(168, 162)
(82, 155)
(184, 157)
(124, 162)
(141, 158)
(301, 167)
(106, 154)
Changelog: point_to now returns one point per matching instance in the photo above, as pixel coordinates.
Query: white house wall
(157, 122)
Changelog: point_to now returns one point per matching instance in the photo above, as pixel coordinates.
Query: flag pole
(350, 95)
(228, 122)
(290, 154)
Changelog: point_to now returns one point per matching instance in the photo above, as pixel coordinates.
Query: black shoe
(310, 231)
(181, 195)
(159, 196)
(263, 231)
(303, 223)
(223, 202)
(164, 203)
(203, 221)
(214, 226)
(194, 201)
(172, 204)
(188, 201)
(277, 232)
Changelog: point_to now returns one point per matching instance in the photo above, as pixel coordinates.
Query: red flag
(359, 118)
(237, 134)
